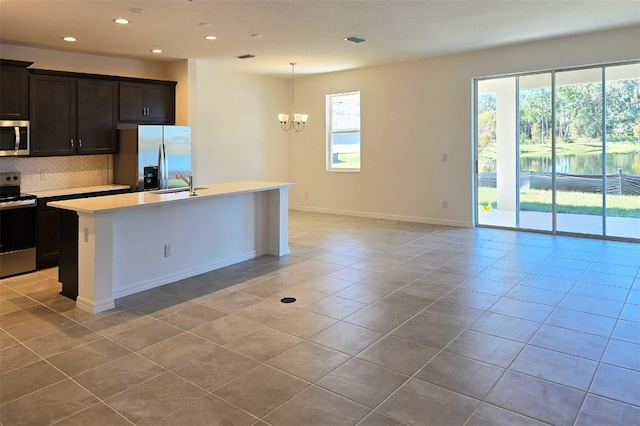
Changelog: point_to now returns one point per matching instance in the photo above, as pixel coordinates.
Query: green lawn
(535, 150)
(347, 160)
(539, 200)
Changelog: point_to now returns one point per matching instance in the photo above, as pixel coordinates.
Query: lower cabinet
(49, 231)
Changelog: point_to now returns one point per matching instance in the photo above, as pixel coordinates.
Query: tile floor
(394, 323)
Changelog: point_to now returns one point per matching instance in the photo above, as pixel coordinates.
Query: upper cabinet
(148, 102)
(14, 90)
(73, 115)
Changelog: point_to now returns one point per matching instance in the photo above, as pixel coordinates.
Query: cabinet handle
(71, 143)
(80, 143)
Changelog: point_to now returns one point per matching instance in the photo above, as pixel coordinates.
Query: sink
(172, 190)
(169, 191)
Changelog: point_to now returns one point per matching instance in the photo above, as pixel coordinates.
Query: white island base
(133, 242)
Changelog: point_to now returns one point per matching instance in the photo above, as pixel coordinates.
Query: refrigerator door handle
(161, 167)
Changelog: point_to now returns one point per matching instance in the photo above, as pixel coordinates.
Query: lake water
(577, 164)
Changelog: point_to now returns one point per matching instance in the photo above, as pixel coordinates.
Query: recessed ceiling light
(246, 56)
(156, 50)
(136, 10)
(256, 35)
(210, 37)
(69, 38)
(121, 21)
(204, 24)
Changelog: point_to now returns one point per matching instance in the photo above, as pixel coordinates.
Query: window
(343, 132)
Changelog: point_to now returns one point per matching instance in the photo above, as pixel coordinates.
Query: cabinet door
(160, 103)
(53, 115)
(14, 93)
(48, 241)
(132, 106)
(97, 116)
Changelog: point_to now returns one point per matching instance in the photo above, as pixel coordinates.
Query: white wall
(412, 114)
(235, 125)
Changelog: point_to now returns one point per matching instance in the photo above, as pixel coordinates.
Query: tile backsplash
(46, 173)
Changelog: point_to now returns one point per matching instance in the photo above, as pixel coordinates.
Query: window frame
(330, 133)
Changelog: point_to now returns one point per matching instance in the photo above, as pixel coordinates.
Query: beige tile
(176, 351)
(97, 415)
(6, 340)
(61, 341)
(40, 327)
(86, 357)
(352, 274)
(47, 406)
(216, 368)
(163, 307)
(226, 329)
(233, 301)
(303, 323)
(145, 335)
(427, 333)
(155, 399)
(263, 344)
(335, 307)
(347, 338)
(16, 356)
(317, 407)
(16, 303)
(399, 355)
(24, 380)
(379, 319)
(206, 411)
(267, 288)
(11, 319)
(308, 360)
(363, 382)
(363, 293)
(326, 284)
(119, 375)
(422, 403)
(377, 419)
(261, 390)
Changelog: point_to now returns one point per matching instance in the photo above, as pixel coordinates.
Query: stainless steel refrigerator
(149, 157)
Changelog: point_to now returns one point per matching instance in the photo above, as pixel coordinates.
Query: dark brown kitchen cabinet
(14, 90)
(148, 102)
(73, 116)
(51, 233)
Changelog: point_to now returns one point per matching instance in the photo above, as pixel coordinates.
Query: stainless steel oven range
(17, 227)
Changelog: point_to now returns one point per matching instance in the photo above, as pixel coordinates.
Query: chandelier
(293, 121)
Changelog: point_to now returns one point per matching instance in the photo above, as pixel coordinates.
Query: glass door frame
(554, 212)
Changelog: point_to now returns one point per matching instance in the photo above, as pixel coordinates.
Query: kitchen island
(132, 242)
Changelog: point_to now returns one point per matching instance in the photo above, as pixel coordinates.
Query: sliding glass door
(560, 151)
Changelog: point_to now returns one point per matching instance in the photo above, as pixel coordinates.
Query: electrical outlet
(445, 205)
(85, 231)
(43, 175)
(444, 157)
(167, 250)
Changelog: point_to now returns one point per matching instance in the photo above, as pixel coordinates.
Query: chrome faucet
(189, 181)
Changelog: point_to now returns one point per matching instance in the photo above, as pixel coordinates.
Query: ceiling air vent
(247, 56)
(355, 39)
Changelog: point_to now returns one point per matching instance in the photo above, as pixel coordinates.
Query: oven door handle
(18, 204)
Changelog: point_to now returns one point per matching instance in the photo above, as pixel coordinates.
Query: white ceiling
(309, 32)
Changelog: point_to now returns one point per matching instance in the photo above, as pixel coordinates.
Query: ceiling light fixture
(210, 37)
(69, 38)
(121, 21)
(137, 10)
(156, 50)
(295, 122)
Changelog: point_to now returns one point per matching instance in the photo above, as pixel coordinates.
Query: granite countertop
(110, 203)
(78, 190)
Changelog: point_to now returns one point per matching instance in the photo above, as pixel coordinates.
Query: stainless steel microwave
(14, 138)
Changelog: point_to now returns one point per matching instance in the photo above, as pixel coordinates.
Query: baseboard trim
(370, 215)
